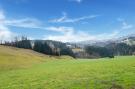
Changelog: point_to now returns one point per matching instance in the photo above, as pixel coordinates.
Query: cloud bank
(64, 33)
(69, 34)
(5, 33)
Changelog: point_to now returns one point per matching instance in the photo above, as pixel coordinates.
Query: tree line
(43, 46)
(121, 49)
(100, 51)
(52, 48)
(56, 48)
(111, 50)
(19, 42)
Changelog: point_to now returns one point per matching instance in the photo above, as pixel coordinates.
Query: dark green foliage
(102, 51)
(52, 48)
(38, 46)
(42, 47)
(22, 43)
(67, 51)
(121, 49)
(47, 49)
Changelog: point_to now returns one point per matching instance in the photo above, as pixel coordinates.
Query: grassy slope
(67, 74)
(11, 58)
(14, 58)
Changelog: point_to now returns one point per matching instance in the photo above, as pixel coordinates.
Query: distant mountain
(130, 40)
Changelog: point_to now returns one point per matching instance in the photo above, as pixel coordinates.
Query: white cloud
(65, 19)
(73, 36)
(5, 33)
(126, 25)
(61, 29)
(2, 16)
(25, 23)
(78, 1)
(67, 34)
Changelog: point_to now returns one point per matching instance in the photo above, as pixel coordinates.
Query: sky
(67, 20)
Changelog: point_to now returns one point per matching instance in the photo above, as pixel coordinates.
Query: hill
(129, 39)
(26, 69)
(12, 58)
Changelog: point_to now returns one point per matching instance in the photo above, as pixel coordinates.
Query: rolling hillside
(26, 69)
(12, 58)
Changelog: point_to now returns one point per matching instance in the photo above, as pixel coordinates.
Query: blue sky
(67, 20)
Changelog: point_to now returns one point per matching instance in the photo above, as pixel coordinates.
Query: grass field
(25, 69)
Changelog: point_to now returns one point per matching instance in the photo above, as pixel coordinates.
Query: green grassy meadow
(25, 69)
